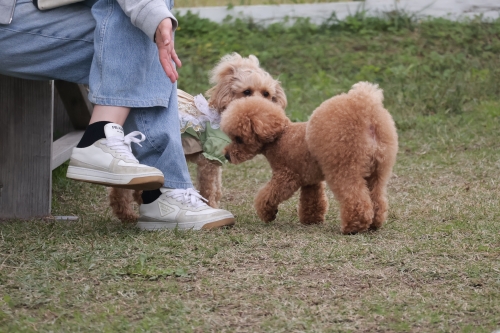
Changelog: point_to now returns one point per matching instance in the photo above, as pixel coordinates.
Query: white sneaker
(110, 162)
(182, 209)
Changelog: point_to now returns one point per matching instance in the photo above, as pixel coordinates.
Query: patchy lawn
(433, 267)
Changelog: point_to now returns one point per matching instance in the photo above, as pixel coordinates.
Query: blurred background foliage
(230, 3)
(424, 66)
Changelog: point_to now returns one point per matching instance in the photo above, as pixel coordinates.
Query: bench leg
(76, 103)
(26, 113)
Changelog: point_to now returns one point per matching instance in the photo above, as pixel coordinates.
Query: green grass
(433, 267)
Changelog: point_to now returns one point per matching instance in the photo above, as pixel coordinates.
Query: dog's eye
(265, 94)
(247, 92)
(238, 140)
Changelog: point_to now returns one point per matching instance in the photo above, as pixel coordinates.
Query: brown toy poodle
(350, 141)
(232, 78)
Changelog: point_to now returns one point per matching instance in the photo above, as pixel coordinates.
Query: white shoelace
(123, 145)
(188, 196)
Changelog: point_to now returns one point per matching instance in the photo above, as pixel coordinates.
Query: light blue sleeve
(147, 14)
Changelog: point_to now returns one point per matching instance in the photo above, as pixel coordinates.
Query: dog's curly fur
(235, 77)
(350, 141)
(232, 78)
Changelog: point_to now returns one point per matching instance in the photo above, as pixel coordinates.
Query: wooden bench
(29, 110)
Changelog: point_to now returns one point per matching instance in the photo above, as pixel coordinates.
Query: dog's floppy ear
(254, 117)
(220, 95)
(224, 68)
(270, 123)
(280, 97)
(235, 121)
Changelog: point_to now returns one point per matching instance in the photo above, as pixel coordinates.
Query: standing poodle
(350, 141)
(234, 77)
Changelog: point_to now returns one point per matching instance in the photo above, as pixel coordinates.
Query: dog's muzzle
(227, 157)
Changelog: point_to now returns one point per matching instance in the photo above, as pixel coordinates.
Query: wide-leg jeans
(95, 43)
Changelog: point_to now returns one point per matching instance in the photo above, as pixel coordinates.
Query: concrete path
(318, 13)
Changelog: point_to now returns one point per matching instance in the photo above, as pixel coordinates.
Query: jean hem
(129, 103)
(174, 184)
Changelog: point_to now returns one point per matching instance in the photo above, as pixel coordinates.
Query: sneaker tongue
(113, 129)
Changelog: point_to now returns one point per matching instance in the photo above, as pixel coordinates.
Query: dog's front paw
(266, 212)
(268, 215)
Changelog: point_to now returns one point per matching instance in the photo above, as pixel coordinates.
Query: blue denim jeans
(94, 42)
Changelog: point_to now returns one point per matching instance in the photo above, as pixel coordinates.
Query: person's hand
(165, 42)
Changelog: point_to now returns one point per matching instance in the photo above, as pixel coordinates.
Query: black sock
(150, 196)
(93, 133)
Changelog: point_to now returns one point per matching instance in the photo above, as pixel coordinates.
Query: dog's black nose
(227, 157)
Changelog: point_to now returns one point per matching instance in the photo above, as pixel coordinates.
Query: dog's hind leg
(313, 204)
(377, 184)
(120, 201)
(137, 195)
(377, 188)
(209, 179)
(356, 208)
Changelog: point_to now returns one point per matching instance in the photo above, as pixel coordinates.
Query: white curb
(319, 12)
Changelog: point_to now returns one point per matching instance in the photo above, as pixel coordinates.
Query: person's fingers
(175, 58)
(168, 67)
(175, 75)
(168, 56)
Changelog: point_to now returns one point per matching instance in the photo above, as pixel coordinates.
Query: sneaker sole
(133, 182)
(158, 225)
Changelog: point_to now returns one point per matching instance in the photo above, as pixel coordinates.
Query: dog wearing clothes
(234, 77)
(350, 141)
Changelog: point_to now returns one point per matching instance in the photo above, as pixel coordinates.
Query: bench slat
(62, 148)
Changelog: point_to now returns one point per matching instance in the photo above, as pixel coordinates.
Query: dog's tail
(368, 91)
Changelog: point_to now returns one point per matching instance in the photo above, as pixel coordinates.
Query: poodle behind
(350, 141)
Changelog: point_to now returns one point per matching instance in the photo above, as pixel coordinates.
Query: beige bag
(49, 4)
